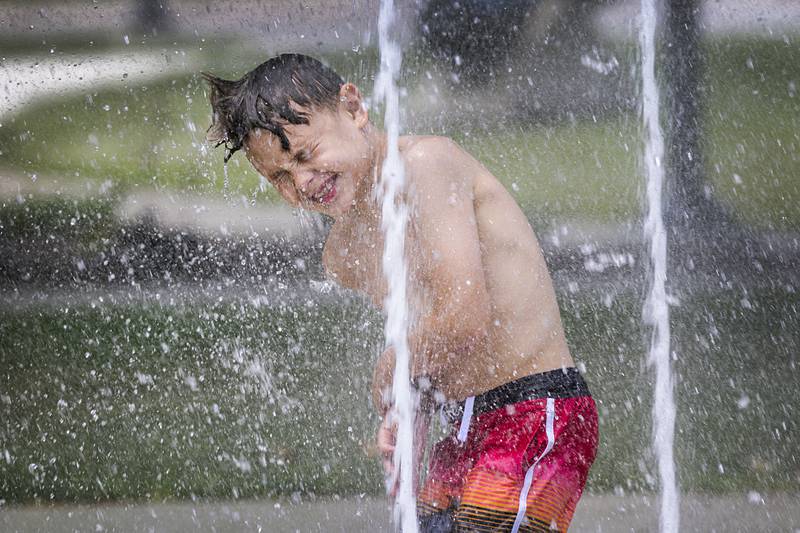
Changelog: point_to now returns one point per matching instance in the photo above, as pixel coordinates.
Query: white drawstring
(526, 487)
(465, 419)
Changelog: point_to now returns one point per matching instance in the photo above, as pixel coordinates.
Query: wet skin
(485, 308)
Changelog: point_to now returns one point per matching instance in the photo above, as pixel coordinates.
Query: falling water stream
(394, 217)
(656, 309)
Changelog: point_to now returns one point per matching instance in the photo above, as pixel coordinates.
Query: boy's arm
(382, 378)
(455, 315)
(457, 308)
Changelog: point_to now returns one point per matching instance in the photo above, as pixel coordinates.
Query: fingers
(387, 452)
(386, 442)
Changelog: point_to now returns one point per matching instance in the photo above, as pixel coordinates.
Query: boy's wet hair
(278, 92)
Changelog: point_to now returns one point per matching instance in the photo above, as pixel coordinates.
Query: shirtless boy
(488, 348)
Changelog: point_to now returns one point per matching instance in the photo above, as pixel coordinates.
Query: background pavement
(754, 513)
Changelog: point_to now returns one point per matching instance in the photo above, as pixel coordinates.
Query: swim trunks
(516, 458)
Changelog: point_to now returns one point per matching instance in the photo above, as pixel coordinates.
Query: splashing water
(394, 217)
(225, 182)
(656, 309)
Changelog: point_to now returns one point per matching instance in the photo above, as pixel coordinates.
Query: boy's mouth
(327, 190)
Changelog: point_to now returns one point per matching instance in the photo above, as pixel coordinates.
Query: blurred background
(168, 340)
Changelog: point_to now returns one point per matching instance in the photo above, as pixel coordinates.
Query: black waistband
(566, 383)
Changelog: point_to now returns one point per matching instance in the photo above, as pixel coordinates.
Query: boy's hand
(386, 439)
(382, 381)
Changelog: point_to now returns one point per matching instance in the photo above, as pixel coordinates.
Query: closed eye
(304, 154)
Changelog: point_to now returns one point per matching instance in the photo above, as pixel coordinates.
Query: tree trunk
(690, 195)
(703, 233)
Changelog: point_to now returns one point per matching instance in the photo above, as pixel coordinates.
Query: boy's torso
(525, 335)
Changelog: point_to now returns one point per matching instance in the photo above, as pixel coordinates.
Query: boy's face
(328, 158)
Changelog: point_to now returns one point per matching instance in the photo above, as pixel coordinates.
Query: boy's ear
(350, 100)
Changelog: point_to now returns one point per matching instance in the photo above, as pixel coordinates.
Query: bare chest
(355, 261)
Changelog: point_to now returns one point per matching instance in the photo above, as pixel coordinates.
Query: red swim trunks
(516, 458)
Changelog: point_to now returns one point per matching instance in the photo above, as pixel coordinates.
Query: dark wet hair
(278, 92)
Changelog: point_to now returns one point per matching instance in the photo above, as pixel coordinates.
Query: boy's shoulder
(428, 149)
(433, 161)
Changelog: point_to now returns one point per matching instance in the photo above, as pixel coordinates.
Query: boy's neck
(365, 202)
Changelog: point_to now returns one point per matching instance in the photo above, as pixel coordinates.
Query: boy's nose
(304, 180)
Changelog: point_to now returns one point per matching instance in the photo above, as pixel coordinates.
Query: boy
(487, 342)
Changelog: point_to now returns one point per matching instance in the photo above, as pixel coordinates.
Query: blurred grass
(584, 171)
(154, 136)
(154, 402)
(752, 141)
(230, 399)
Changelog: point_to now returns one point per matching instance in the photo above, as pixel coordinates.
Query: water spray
(656, 308)
(394, 218)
